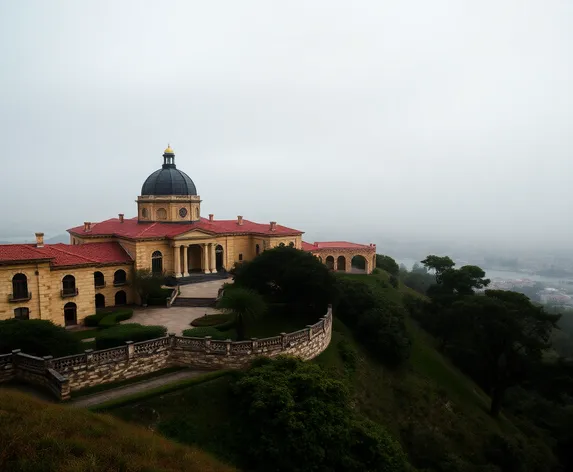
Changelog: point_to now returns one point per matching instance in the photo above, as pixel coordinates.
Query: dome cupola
(168, 180)
(169, 195)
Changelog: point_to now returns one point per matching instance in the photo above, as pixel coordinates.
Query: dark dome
(168, 180)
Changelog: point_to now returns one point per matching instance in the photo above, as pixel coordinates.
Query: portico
(192, 256)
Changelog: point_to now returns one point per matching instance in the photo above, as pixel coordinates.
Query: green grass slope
(438, 414)
(39, 436)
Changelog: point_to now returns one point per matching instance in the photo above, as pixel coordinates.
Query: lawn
(84, 333)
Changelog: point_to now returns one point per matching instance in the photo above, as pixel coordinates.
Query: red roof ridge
(75, 254)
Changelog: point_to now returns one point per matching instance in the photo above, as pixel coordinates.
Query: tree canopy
(387, 263)
(297, 418)
(244, 304)
(289, 276)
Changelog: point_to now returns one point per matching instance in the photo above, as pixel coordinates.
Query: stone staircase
(196, 278)
(194, 302)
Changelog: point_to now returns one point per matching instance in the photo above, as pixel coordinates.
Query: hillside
(35, 435)
(439, 415)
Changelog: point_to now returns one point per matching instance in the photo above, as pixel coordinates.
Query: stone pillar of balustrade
(283, 340)
(130, 349)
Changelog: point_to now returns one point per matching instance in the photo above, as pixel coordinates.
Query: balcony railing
(119, 283)
(19, 297)
(99, 285)
(69, 292)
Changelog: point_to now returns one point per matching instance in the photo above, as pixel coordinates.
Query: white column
(177, 261)
(213, 265)
(205, 258)
(185, 261)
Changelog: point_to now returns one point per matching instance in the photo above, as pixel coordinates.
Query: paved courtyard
(178, 318)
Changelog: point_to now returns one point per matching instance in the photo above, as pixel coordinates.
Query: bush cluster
(157, 297)
(115, 317)
(119, 334)
(38, 338)
(377, 322)
(211, 320)
(92, 321)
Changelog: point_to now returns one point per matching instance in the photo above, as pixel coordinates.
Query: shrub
(38, 338)
(348, 355)
(157, 301)
(119, 334)
(114, 318)
(201, 332)
(92, 321)
(211, 320)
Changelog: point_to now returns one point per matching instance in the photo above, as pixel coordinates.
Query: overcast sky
(347, 120)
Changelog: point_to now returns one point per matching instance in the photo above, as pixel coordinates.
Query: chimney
(239, 220)
(120, 217)
(87, 226)
(273, 225)
(39, 239)
(211, 216)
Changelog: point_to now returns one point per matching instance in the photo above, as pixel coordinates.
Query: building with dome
(67, 282)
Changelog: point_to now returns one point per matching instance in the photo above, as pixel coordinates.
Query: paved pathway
(112, 394)
(178, 318)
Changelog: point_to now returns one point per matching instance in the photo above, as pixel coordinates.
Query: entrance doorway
(100, 301)
(194, 257)
(70, 314)
(219, 258)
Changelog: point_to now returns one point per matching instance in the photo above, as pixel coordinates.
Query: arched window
(282, 245)
(341, 263)
(69, 286)
(119, 277)
(257, 249)
(99, 280)
(120, 298)
(161, 214)
(70, 314)
(20, 287)
(144, 212)
(291, 244)
(219, 263)
(22, 313)
(358, 263)
(157, 262)
(196, 213)
(99, 301)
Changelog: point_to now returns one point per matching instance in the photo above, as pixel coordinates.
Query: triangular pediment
(193, 234)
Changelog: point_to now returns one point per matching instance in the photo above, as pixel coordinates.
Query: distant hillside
(36, 435)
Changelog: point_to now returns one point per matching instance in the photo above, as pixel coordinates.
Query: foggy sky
(347, 120)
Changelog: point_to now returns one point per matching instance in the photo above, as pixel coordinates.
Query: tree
(243, 304)
(145, 283)
(295, 278)
(387, 263)
(438, 264)
(296, 417)
(501, 335)
(38, 338)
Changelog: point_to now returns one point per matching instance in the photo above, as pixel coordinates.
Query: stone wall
(65, 374)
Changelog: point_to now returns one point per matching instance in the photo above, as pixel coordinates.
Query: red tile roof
(20, 252)
(335, 245)
(132, 229)
(63, 255)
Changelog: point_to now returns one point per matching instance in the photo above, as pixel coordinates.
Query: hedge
(211, 320)
(92, 321)
(115, 317)
(119, 334)
(201, 332)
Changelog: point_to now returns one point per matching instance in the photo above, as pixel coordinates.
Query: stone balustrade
(62, 375)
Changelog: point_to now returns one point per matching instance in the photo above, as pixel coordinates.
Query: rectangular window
(22, 314)
(240, 257)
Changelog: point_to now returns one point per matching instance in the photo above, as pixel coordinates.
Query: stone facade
(65, 374)
(45, 299)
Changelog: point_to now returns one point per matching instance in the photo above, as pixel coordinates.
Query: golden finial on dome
(168, 150)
